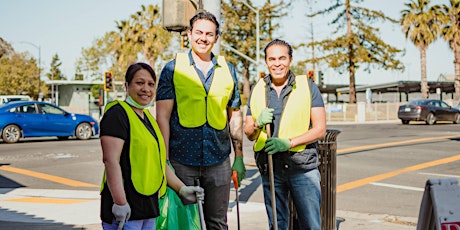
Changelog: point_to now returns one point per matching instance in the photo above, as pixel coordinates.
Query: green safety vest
(295, 119)
(147, 155)
(195, 107)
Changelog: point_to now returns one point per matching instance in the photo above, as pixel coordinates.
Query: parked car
(39, 119)
(9, 98)
(428, 110)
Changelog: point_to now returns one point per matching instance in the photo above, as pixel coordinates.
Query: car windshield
(417, 102)
(17, 99)
(48, 109)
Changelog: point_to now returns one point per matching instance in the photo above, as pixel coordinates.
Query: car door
(447, 113)
(28, 119)
(57, 121)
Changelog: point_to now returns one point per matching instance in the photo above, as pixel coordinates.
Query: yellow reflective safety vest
(195, 107)
(147, 155)
(295, 119)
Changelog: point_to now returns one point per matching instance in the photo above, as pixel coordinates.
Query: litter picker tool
(235, 184)
(272, 182)
(200, 207)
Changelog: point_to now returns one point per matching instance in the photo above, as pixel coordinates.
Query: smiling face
(203, 36)
(278, 62)
(142, 87)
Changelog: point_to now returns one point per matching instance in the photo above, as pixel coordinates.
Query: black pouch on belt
(261, 162)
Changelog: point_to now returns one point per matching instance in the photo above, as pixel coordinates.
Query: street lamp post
(257, 33)
(40, 96)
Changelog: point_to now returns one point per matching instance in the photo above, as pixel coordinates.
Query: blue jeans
(305, 190)
(147, 224)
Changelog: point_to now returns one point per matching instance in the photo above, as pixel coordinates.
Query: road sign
(440, 208)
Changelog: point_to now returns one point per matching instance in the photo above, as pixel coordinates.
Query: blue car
(24, 119)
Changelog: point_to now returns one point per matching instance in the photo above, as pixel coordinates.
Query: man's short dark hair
(281, 43)
(206, 16)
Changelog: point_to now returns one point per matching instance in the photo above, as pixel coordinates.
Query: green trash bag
(176, 216)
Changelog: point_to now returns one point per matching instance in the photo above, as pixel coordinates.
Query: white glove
(121, 213)
(190, 194)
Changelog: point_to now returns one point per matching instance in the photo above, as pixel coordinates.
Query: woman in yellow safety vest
(134, 155)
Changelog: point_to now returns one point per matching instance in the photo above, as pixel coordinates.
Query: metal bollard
(328, 169)
(327, 151)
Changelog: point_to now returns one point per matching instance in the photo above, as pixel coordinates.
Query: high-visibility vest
(295, 119)
(147, 155)
(195, 107)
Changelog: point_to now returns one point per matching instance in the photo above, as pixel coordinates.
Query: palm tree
(419, 24)
(450, 20)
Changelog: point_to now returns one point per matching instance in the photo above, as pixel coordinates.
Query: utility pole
(213, 6)
(40, 95)
(257, 33)
(312, 47)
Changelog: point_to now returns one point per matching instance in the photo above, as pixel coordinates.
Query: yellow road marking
(364, 147)
(46, 200)
(358, 183)
(60, 180)
(340, 188)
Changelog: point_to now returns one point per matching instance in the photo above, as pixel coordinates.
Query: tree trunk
(456, 50)
(246, 84)
(424, 82)
(351, 63)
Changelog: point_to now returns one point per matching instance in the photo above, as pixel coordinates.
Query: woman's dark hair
(132, 69)
(281, 43)
(206, 16)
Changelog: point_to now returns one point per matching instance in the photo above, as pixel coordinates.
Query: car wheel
(405, 122)
(11, 134)
(457, 118)
(83, 131)
(63, 138)
(430, 119)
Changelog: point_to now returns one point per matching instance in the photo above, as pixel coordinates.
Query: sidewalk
(42, 209)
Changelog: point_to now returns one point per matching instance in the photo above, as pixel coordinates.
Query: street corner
(349, 220)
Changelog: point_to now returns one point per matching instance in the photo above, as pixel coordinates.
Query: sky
(66, 27)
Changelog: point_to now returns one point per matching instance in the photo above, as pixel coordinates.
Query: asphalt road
(381, 168)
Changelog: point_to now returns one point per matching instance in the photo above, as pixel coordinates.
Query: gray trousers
(215, 180)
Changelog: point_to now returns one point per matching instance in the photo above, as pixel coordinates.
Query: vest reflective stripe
(295, 119)
(148, 161)
(194, 106)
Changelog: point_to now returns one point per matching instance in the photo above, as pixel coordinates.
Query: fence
(343, 112)
(335, 112)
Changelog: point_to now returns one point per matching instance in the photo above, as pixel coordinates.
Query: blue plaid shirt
(204, 145)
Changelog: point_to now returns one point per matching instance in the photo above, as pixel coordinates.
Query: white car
(9, 98)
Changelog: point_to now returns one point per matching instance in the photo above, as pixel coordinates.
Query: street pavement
(46, 209)
(43, 209)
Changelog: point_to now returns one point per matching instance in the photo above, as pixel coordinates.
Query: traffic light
(177, 13)
(108, 81)
(320, 78)
(311, 74)
(184, 42)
